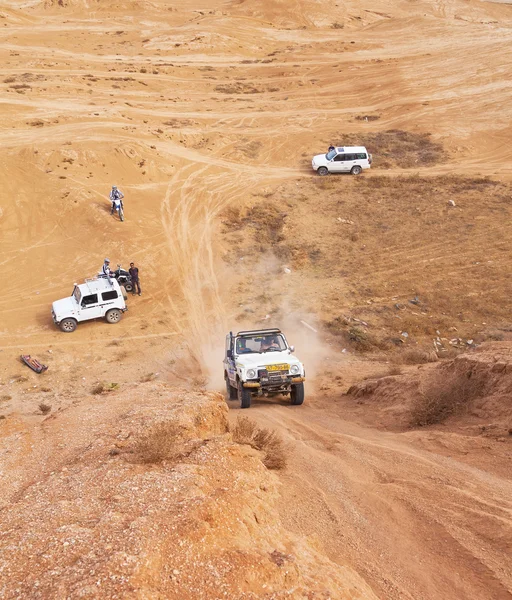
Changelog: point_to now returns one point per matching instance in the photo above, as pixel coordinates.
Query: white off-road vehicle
(261, 362)
(348, 159)
(93, 299)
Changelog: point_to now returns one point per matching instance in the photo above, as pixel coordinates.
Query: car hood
(250, 361)
(65, 307)
(320, 159)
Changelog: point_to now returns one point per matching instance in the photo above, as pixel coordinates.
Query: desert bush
(5, 398)
(159, 443)
(367, 117)
(266, 441)
(398, 147)
(417, 356)
(445, 394)
(101, 387)
(44, 408)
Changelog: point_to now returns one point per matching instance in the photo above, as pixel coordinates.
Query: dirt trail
(191, 110)
(416, 524)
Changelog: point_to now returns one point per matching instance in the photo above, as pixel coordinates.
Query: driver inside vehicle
(269, 343)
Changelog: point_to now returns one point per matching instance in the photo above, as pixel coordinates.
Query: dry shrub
(266, 221)
(266, 441)
(417, 356)
(159, 443)
(148, 377)
(101, 387)
(44, 408)
(367, 117)
(5, 398)
(397, 147)
(446, 394)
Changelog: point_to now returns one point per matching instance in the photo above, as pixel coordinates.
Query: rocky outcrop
(92, 520)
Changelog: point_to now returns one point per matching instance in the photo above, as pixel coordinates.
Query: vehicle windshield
(255, 344)
(76, 294)
(330, 155)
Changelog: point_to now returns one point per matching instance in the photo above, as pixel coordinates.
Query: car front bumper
(273, 383)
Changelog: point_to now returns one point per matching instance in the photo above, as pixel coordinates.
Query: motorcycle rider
(116, 194)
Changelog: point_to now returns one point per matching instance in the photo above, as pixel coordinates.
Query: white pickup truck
(261, 362)
(93, 299)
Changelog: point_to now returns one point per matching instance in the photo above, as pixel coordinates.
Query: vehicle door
(89, 308)
(108, 300)
(337, 164)
(350, 161)
(230, 359)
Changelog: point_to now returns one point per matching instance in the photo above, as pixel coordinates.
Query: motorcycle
(123, 278)
(118, 207)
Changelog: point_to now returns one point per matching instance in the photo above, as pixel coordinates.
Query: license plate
(278, 367)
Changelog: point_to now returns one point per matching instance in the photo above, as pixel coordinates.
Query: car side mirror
(229, 354)
(292, 348)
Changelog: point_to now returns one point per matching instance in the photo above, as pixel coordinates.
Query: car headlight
(294, 369)
(251, 373)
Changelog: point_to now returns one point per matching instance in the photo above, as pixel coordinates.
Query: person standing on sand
(134, 274)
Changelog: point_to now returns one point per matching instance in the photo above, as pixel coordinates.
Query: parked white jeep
(93, 299)
(261, 362)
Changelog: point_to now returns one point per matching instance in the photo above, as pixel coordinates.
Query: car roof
(259, 332)
(351, 149)
(98, 284)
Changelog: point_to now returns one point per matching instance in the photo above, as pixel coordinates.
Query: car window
(260, 343)
(76, 294)
(350, 156)
(92, 299)
(361, 156)
(340, 157)
(109, 295)
(330, 155)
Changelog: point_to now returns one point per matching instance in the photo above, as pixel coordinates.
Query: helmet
(107, 260)
(114, 187)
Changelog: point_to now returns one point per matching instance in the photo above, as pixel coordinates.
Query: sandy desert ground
(207, 117)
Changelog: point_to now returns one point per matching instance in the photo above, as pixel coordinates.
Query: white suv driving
(348, 159)
(93, 299)
(261, 362)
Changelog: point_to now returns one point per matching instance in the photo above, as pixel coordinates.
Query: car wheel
(231, 392)
(68, 325)
(323, 171)
(113, 315)
(297, 394)
(356, 170)
(244, 395)
(128, 287)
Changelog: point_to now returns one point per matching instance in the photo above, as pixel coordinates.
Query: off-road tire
(113, 316)
(323, 171)
(231, 392)
(356, 170)
(68, 325)
(121, 214)
(244, 395)
(128, 287)
(297, 394)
